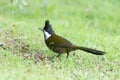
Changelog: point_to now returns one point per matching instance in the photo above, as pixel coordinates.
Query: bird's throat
(46, 34)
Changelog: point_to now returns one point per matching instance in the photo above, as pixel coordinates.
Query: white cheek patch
(47, 35)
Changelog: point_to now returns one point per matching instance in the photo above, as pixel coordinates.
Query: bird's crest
(48, 27)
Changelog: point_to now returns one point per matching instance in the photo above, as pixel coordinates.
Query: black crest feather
(48, 27)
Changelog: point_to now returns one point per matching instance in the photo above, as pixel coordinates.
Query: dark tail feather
(93, 51)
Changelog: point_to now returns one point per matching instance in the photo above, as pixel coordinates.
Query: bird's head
(47, 30)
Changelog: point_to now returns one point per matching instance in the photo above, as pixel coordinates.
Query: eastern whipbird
(61, 45)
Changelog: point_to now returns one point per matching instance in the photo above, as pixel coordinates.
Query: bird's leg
(67, 54)
(59, 55)
(53, 56)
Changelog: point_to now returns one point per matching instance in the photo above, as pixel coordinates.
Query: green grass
(90, 23)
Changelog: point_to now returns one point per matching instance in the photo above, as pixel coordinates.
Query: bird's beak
(40, 29)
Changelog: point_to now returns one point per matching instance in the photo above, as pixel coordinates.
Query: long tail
(93, 51)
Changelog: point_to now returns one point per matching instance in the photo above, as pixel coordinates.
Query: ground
(88, 23)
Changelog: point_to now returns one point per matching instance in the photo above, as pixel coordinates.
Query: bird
(61, 45)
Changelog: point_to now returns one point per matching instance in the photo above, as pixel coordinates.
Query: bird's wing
(63, 45)
(58, 41)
